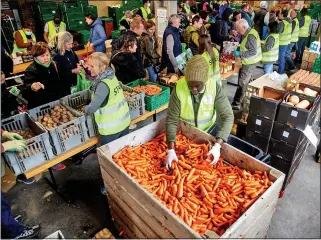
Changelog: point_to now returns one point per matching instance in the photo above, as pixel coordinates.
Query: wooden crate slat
(121, 226)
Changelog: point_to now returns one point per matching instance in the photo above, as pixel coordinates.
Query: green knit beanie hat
(197, 69)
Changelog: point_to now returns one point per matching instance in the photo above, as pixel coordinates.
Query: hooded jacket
(219, 30)
(191, 37)
(98, 36)
(150, 55)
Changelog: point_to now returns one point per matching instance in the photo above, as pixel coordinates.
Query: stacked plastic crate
(47, 11)
(73, 16)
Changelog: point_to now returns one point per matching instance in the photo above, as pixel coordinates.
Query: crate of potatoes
(39, 148)
(66, 127)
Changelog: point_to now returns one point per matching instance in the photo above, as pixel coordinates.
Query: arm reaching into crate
(14, 145)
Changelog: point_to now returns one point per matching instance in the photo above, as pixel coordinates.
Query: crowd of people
(198, 98)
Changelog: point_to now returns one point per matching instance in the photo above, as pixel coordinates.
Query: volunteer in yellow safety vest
(52, 28)
(212, 57)
(24, 39)
(124, 22)
(187, 8)
(289, 64)
(196, 100)
(108, 103)
(285, 30)
(145, 12)
(251, 54)
(304, 32)
(270, 48)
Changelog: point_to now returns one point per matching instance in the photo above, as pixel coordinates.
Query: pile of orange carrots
(204, 196)
(148, 89)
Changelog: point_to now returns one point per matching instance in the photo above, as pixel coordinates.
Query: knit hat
(197, 69)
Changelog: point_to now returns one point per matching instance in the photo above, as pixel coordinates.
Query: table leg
(53, 184)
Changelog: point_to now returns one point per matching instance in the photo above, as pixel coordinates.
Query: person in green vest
(187, 8)
(212, 57)
(124, 22)
(52, 28)
(197, 100)
(289, 64)
(251, 54)
(108, 104)
(270, 48)
(304, 32)
(285, 30)
(145, 12)
(192, 33)
(24, 39)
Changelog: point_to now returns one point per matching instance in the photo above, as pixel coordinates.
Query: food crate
(258, 140)
(52, 11)
(39, 148)
(92, 10)
(76, 16)
(67, 135)
(156, 101)
(286, 133)
(115, 34)
(47, 5)
(78, 100)
(69, 7)
(259, 125)
(84, 36)
(141, 215)
(136, 103)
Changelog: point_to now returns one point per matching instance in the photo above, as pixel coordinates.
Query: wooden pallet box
(141, 215)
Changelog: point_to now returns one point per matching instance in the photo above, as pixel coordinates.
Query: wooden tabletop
(23, 66)
(237, 68)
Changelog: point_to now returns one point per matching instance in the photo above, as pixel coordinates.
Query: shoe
(29, 232)
(103, 190)
(23, 179)
(59, 167)
(236, 107)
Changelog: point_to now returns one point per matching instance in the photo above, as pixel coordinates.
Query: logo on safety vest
(208, 99)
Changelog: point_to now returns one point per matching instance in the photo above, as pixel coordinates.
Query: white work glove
(171, 156)
(216, 152)
(11, 135)
(14, 146)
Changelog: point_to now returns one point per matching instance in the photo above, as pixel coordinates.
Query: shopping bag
(82, 82)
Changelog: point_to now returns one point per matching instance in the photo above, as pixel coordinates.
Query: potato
(47, 115)
(310, 92)
(40, 118)
(65, 120)
(65, 116)
(304, 104)
(72, 118)
(44, 124)
(56, 120)
(49, 126)
(294, 99)
(45, 119)
(60, 110)
(289, 103)
(56, 108)
(50, 121)
(299, 91)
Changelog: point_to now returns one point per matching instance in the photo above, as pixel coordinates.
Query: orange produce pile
(204, 196)
(148, 89)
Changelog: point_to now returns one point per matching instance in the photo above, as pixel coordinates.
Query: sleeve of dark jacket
(218, 30)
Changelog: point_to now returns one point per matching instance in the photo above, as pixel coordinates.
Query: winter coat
(98, 36)
(54, 89)
(127, 67)
(67, 63)
(149, 50)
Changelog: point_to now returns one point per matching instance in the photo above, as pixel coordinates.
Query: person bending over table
(196, 100)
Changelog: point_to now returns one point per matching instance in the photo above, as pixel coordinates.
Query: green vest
(285, 36)
(206, 115)
(120, 26)
(187, 9)
(304, 30)
(114, 117)
(295, 33)
(145, 12)
(273, 54)
(16, 49)
(258, 56)
(52, 29)
(213, 72)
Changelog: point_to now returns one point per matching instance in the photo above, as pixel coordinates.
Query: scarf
(46, 65)
(107, 74)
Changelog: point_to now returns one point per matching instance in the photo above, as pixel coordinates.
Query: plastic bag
(82, 82)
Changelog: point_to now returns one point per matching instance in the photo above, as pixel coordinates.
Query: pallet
(141, 215)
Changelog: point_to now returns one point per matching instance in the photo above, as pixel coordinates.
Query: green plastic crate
(47, 17)
(84, 36)
(92, 10)
(153, 102)
(115, 34)
(316, 67)
(49, 11)
(76, 17)
(47, 5)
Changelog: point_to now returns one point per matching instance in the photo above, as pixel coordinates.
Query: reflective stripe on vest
(206, 115)
(295, 33)
(285, 36)
(25, 40)
(273, 54)
(187, 9)
(52, 29)
(258, 56)
(145, 12)
(304, 30)
(213, 73)
(114, 117)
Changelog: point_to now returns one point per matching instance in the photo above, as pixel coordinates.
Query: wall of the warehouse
(102, 6)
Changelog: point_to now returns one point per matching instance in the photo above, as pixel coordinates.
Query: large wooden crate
(141, 215)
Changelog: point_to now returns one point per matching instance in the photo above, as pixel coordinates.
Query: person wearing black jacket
(42, 81)
(219, 30)
(136, 30)
(66, 58)
(125, 63)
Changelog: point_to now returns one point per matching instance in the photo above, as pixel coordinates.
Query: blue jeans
(282, 51)
(268, 68)
(300, 48)
(289, 64)
(9, 225)
(151, 73)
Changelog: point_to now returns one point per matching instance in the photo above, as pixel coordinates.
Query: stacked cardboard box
(308, 60)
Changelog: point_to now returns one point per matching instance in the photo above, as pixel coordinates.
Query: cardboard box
(310, 67)
(306, 55)
(266, 103)
(304, 65)
(259, 125)
(312, 57)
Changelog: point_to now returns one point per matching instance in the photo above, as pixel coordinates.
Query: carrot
(192, 178)
(216, 184)
(203, 191)
(249, 203)
(174, 190)
(184, 165)
(168, 177)
(223, 210)
(190, 174)
(180, 188)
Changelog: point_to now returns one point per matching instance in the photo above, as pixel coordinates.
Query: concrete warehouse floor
(297, 214)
